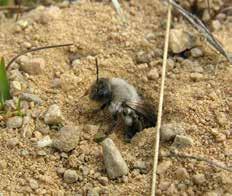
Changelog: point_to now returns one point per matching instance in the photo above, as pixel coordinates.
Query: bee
(121, 99)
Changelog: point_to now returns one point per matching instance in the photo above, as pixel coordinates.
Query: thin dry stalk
(33, 50)
(198, 24)
(155, 161)
(198, 158)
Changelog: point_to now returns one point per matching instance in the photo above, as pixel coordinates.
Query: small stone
(99, 137)
(221, 17)
(85, 170)
(182, 174)
(11, 143)
(67, 138)
(92, 192)
(32, 66)
(31, 98)
(33, 184)
(73, 161)
(3, 164)
(45, 141)
(53, 115)
(199, 179)
(163, 167)
(142, 66)
(60, 171)
(125, 179)
(41, 153)
(211, 193)
(14, 122)
(169, 131)
(16, 85)
(141, 165)
(144, 57)
(24, 152)
(216, 25)
(182, 141)
(26, 45)
(23, 23)
(70, 176)
(196, 52)
(114, 163)
(221, 118)
(196, 77)
(164, 185)
(153, 74)
(103, 180)
(181, 40)
(56, 83)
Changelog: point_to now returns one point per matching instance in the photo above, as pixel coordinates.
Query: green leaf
(4, 2)
(4, 83)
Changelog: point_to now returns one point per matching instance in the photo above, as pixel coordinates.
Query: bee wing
(143, 108)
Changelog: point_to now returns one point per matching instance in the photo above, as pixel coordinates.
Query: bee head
(101, 89)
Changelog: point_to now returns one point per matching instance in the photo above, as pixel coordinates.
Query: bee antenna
(96, 60)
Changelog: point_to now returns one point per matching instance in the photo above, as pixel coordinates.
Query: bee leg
(133, 129)
(100, 109)
(115, 120)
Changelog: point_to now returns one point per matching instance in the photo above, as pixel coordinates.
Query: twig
(118, 9)
(198, 24)
(198, 158)
(155, 161)
(33, 50)
(16, 8)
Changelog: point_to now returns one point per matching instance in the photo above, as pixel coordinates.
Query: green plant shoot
(4, 84)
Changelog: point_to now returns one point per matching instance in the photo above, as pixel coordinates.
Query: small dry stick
(16, 8)
(199, 25)
(33, 50)
(198, 158)
(155, 161)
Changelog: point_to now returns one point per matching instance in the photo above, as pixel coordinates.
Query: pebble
(169, 131)
(141, 165)
(181, 40)
(33, 184)
(181, 173)
(16, 86)
(103, 180)
(114, 163)
(23, 23)
(199, 179)
(163, 166)
(31, 98)
(44, 142)
(3, 164)
(53, 115)
(196, 77)
(216, 25)
(11, 143)
(153, 74)
(211, 193)
(144, 57)
(182, 141)
(41, 153)
(70, 176)
(221, 118)
(32, 66)
(196, 52)
(56, 83)
(14, 122)
(67, 138)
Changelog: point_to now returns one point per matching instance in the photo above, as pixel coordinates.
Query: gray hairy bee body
(122, 100)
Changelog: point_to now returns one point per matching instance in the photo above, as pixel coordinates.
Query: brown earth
(202, 104)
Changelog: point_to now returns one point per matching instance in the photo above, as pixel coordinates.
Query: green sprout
(4, 84)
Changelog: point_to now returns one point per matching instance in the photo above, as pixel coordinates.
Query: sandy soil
(203, 105)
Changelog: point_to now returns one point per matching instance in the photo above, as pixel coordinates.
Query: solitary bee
(122, 100)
